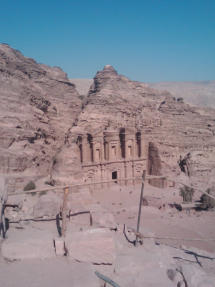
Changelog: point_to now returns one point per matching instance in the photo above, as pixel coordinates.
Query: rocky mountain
(42, 116)
(173, 126)
(38, 106)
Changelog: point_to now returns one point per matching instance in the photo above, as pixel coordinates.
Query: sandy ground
(158, 219)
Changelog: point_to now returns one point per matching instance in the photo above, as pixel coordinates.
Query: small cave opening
(114, 176)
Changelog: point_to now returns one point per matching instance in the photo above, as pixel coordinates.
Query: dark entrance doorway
(114, 176)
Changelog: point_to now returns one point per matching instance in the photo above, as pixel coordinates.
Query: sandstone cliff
(174, 127)
(42, 114)
(38, 106)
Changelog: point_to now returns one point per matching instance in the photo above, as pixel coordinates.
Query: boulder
(38, 245)
(102, 218)
(96, 246)
(47, 205)
(60, 247)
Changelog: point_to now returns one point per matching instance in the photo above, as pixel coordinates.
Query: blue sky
(146, 40)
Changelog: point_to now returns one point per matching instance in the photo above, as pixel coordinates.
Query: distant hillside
(82, 85)
(196, 93)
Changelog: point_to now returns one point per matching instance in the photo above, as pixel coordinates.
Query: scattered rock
(60, 247)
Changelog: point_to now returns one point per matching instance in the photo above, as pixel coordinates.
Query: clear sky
(146, 40)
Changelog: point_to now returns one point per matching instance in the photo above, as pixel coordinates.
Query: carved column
(86, 153)
(106, 150)
(118, 150)
(134, 145)
(95, 147)
(133, 173)
(128, 142)
(112, 138)
(102, 175)
(109, 152)
(126, 147)
(125, 172)
(102, 153)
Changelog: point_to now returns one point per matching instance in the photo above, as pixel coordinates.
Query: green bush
(30, 186)
(187, 193)
(206, 201)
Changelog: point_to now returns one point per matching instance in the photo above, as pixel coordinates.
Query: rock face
(42, 116)
(174, 128)
(38, 107)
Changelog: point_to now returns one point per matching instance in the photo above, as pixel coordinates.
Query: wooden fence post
(140, 207)
(2, 220)
(64, 211)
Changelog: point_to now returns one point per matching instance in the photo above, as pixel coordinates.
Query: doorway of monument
(114, 176)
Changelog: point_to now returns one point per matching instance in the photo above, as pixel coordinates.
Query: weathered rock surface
(154, 265)
(42, 114)
(174, 127)
(38, 107)
(199, 93)
(47, 205)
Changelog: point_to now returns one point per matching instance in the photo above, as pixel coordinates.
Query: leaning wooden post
(3, 200)
(2, 220)
(64, 210)
(140, 207)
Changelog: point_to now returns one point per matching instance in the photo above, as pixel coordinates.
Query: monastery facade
(119, 155)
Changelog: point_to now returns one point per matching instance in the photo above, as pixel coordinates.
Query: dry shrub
(30, 186)
(206, 201)
(187, 193)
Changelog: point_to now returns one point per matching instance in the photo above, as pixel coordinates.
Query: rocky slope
(200, 93)
(38, 106)
(42, 114)
(172, 125)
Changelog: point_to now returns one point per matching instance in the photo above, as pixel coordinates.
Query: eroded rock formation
(174, 128)
(38, 107)
(43, 116)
